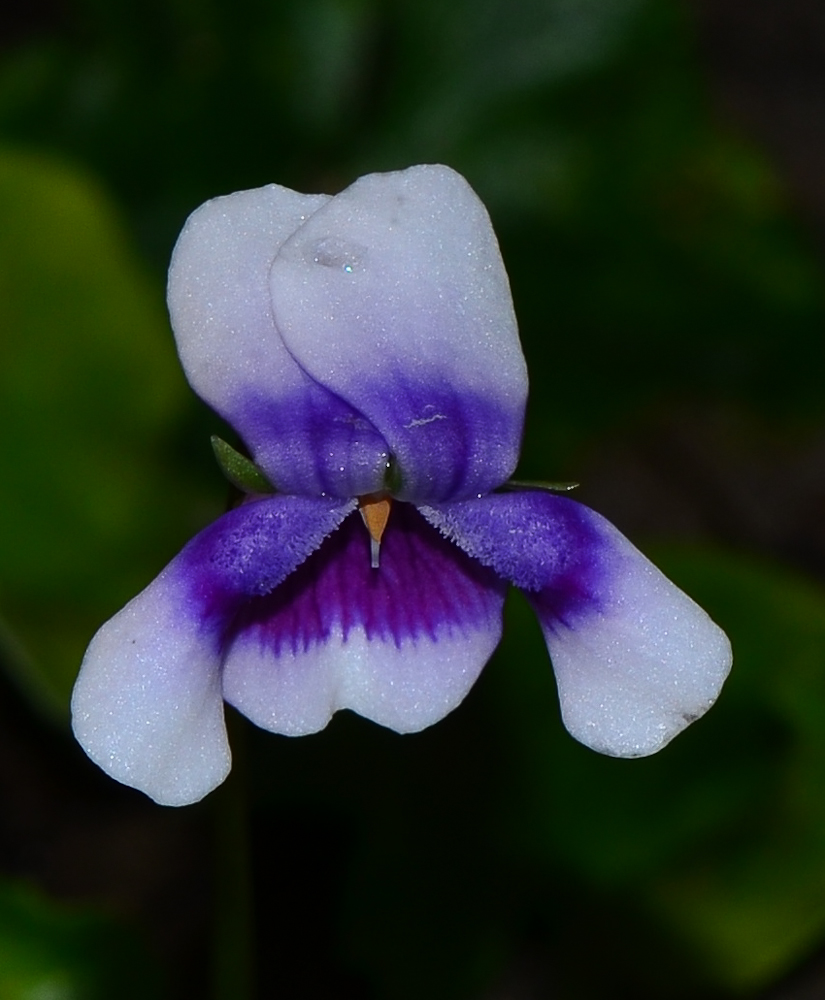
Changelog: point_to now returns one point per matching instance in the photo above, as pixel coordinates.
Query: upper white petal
(394, 296)
(218, 294)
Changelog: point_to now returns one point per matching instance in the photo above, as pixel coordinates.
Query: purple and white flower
(364, 347)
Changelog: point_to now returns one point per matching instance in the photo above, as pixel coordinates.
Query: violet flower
(364, 347)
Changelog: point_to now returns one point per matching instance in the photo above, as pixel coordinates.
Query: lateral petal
(147, 706)
(636, 660)
(401, 644)
(393, 296)
(306, 438)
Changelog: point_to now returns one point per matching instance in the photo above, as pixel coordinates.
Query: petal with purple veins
(636, 660)
(393, 296)
(147, 706)
(306, 438)
(401, 644)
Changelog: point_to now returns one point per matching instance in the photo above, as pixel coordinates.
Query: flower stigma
(375, 512)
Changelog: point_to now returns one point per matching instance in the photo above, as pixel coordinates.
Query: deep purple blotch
(313, 442)
(424, 585)
(245, 574)
(448, 444)
(249, 551)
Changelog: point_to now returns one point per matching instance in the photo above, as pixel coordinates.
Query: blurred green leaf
(721, 836)
(90, 395)
(52, 951)
(752, 900)
(241, 471)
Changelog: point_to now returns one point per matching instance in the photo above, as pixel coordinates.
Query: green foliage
(90, 395)
(700, 868)
(720, 837)
(51, 951)
(751, 900)
(241, 471)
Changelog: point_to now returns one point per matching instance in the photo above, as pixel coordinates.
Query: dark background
(655, 173)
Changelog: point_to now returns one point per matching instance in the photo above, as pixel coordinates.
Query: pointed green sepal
(240, 470)
(392, 476)
(537, 484)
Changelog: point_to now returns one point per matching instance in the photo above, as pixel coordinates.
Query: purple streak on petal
(445, 444)
(401, 644)
(312, 442)
(448, 443)
(248, 552)
(147, 705)
(424, 584)
(547, 545)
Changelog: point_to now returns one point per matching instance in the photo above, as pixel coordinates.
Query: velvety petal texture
(636, 660)
(148, 706)
(401, 644)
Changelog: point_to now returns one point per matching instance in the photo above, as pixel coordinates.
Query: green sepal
(538, 484)
(392, 476)
(240, 470)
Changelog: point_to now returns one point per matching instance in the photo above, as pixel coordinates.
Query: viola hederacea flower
(365, 349)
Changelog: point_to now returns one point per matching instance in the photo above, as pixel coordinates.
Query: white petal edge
(405, 688)
(147, 704)
(218, 294)
(632, 677)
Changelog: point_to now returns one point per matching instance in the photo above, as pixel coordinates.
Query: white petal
(393, 295)
(307, 439)
(219, 294)
(650, 662)
(405, 688)
(636, 660)
(147, 705)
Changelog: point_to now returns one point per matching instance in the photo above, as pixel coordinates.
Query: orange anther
(375, 512)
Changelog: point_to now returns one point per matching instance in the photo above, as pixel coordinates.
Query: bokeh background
(655, 171)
